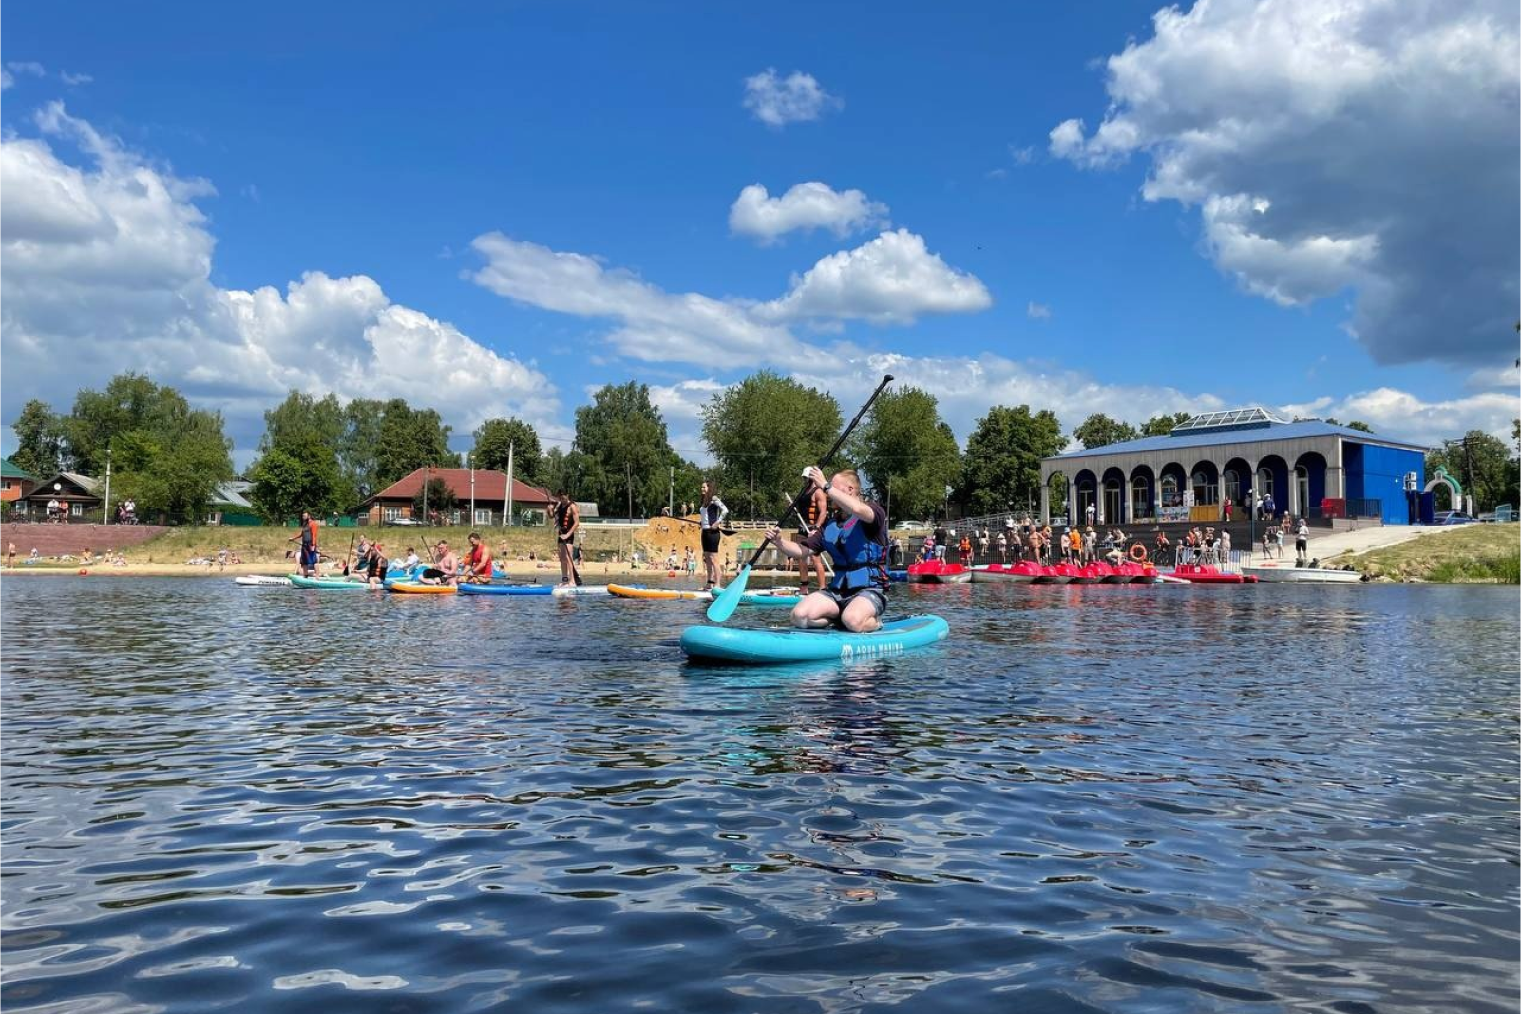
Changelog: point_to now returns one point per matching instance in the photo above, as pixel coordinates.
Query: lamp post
(1251, 510)
(107, 507)
(427, 474)
(471, 459)
(507, 496)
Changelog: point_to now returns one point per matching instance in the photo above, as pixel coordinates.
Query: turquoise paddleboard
(505, 589)
(775, 647)
(770, 600)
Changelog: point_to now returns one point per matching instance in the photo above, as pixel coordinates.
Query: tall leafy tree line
(321, 454)
(165, 455)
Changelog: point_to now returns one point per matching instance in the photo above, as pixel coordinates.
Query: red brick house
(394, 503)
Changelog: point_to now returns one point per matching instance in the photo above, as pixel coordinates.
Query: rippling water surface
(1088, 799)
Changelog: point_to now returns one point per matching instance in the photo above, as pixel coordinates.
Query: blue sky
(1170, 258)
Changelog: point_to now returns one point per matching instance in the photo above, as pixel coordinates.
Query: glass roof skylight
(1236, 418)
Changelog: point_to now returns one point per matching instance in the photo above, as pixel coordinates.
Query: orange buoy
(82, 572)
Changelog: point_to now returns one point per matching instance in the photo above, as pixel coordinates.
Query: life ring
(1138, 553)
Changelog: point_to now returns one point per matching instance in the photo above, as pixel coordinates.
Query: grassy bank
(1476, 553)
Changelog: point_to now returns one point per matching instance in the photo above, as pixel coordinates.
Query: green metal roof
(10, 470)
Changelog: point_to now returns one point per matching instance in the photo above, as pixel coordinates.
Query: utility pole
(108, 486)
(471, 458)
(670, 507)
(427, 474)
(507, 496)
(628, 473)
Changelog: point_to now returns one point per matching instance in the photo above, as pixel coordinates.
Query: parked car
(1452, 518)
(405, 522)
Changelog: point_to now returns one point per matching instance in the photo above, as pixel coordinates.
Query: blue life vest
(859, 560)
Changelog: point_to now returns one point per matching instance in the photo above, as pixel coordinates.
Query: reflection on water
(1089, 798)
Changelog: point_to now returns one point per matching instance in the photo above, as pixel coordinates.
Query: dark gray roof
(1235, 435)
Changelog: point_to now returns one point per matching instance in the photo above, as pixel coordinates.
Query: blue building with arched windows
(1309, 469)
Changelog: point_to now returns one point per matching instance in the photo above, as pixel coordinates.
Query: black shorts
(875, 596)
(710, 537)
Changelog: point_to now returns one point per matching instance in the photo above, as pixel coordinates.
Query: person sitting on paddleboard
(855, 537)
(478, 561)
(379, 564)
(711, 517)
(445, 569)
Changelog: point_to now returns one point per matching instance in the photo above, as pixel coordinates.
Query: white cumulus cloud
(777, 101)
(805, 206)
(1037, 311)
(1337, 143)
(106, 268)
(891, 280)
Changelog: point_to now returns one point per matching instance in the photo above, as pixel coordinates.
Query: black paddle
(727, 601)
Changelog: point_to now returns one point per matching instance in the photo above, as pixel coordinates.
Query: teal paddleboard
(327, 583)
(505, 589)
(776, 647)
(769, 600)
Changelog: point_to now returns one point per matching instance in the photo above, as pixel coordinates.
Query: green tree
(410, 439)
(575, 473)
(908, 452)
(623, 432)
(1098, 430)
(183, 475)
(434, 497)
(1481, 463)
(1161, 425)
(1001, 467)
(493, 439)
(359, 449)
(39, 439)
(688, 482)
(130, 402)
(292, 478)
(762, 433)
(1359, 425)
(302, 418)
(310, 430)
(165, 454)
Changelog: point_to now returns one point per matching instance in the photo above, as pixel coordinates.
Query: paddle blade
(726, 601)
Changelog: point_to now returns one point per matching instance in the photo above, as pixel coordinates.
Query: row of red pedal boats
(1027, 572)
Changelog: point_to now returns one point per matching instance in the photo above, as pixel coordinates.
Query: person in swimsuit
(812, 565)
(445, 569)
(855, 537)
(567, 523)
(379, 564)
(711, 514)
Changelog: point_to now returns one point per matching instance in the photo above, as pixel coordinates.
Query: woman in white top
(711, 516)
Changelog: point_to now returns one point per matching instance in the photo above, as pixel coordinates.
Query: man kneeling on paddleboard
(855, 537)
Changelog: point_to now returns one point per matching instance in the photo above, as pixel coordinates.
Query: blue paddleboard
(774, 647)
(505, 589)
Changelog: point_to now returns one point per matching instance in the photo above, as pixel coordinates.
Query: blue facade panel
(1378, 473)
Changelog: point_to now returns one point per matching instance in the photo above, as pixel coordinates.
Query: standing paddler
(307, 564)
(855, 537)
(567, 523)
(711, 517)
